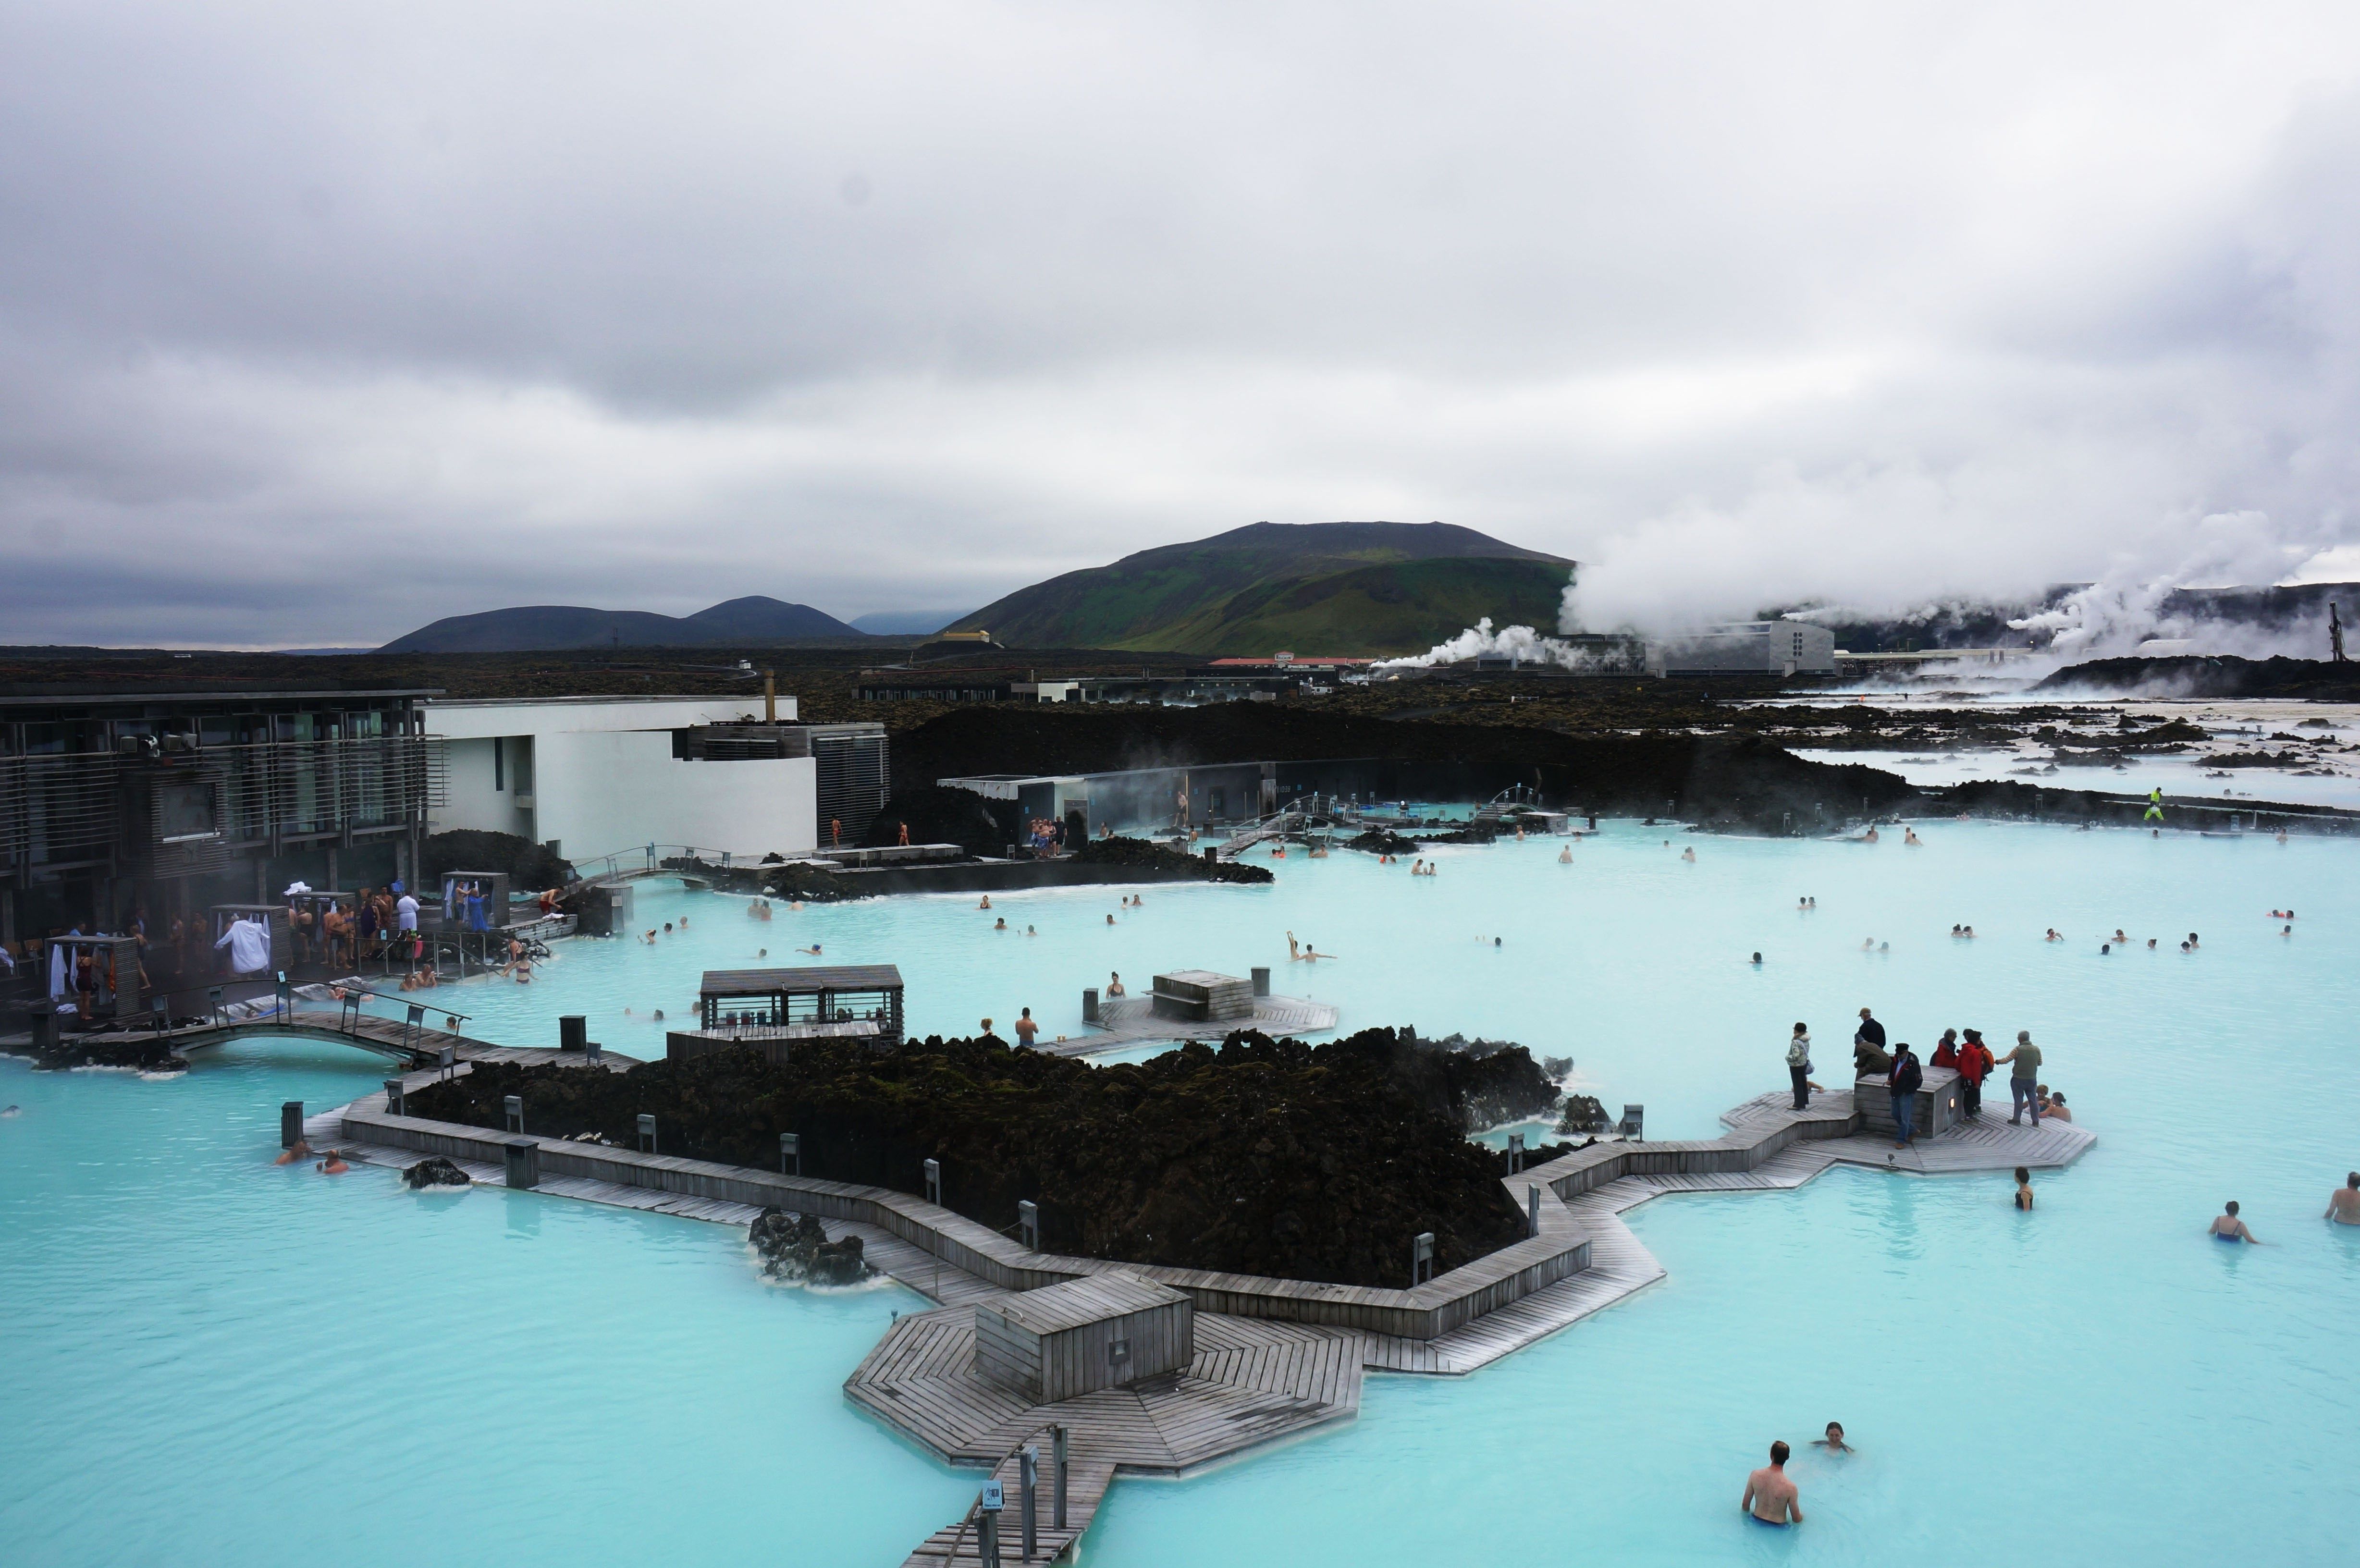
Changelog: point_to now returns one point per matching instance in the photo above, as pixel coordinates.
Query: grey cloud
(345, 319)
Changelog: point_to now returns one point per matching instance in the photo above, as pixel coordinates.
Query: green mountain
(1311, 588)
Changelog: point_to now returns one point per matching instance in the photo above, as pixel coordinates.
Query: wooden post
(791, 1154)
(934, 1181)
(393, 1097)
(1515, 1153)
(290, 1124)
(1029, 1469)
(1028, 1222)
(988, 1523)
(512, 1106)
(1533, 1207)
(1089, 1004)
(523, 1162)
(1057, 1481)
(647, 1138)
(1421, 1258)
(1260, 978)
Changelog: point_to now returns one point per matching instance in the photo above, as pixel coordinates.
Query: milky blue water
(2093, 1380)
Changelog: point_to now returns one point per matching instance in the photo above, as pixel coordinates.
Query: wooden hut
(750, 999)
(1100, 1332)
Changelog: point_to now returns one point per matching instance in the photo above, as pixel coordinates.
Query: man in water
(1770, 1497)
(1833, 1442)
(2227, 1227)
(2343, 1204)
(1026, 1029)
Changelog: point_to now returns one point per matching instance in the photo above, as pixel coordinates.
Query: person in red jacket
(1946, 1054)
(1975, 1065)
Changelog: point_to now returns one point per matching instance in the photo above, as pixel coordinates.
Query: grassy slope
(1178, 597)
(1399, 608)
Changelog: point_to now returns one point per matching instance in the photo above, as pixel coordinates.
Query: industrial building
(1747, 647)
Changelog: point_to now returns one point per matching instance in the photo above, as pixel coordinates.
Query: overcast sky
(318, 322)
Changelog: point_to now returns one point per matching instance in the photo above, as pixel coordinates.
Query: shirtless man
(2343, 1204)
(1770, 1497)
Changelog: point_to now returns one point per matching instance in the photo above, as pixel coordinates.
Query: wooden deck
(416, 1048)
(1256, 1379)
(1131, 1021)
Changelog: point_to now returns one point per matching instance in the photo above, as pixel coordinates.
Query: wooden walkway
(1131, 1021)
(1256, 1380)
(418, 1050)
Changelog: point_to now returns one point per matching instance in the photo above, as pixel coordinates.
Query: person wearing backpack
(1903, 1083)
(1798, 1065)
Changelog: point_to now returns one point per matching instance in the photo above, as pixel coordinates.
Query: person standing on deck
(2024, 1078)
(1026, 1029)
(1902, 1084)
(1798, 1065)
(1870, 1030)
(1975, 1066)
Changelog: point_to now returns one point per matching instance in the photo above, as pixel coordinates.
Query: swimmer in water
(334, 1165)
(1757, 961)
(1689, 855)
(657, 1015)
(985, 902)
(1834, 1441)
(1109, 919)
(1870, 836)
(1888, 947)
(302, 1150)
(761, 952)
(1000, 924)
(1565, 856)
(1495, 942)
(1114, 984)
(2191, 942)
(2023, 1190)
(1770, 1497)
(2119, 936)
(1909, 836)
(20, 1110)
(2342, 1205)
(2286, 930)
(667, 928)
(683, 922)
(2150, 945)
(2227, 1227)
(1030, 931)
(812, 950)
(2052, 935)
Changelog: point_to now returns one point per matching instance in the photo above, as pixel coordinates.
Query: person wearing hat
(2023, 1082)
(1903, 1083)
(1974, 1065)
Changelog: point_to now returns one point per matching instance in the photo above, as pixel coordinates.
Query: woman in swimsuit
(2227, 1227)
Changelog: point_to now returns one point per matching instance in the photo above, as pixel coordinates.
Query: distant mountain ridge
(553, 628)
(1346, 588)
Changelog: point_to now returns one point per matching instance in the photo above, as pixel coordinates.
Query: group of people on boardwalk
(1961, 1052)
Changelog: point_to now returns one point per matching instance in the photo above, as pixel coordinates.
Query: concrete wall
(601, 775)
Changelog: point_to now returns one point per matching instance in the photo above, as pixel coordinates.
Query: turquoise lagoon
(215, 1361)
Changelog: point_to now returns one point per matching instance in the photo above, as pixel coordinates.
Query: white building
(1747, 647)
(594, 775)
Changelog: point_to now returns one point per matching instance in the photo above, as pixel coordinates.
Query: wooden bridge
(426, 1037)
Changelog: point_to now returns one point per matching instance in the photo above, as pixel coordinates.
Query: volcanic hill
(1312, 588)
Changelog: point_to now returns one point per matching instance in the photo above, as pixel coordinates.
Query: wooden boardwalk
(1259, 1379)
(1131, 1021)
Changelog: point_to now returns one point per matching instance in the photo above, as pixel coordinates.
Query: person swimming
(1757, 961)
(1910, 836)
(1565, 856)
(812, 950)
(2052, 935)
(2342, 1205)
(761, 952)
(2023, 1190)
(1689, 855)
(2227, 1227)
(334, 1165)
(1109, 919)
(297, 1151)
(985, 902)
(1030, 931)
(1114, 984)
(1834, 1441)
(1000, 924)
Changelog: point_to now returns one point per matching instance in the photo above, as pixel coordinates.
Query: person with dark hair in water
(1770, 1497)
(2227, 1227)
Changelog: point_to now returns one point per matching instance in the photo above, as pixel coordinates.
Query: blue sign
(993, 1498)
